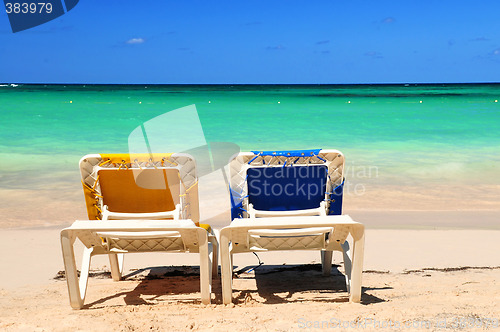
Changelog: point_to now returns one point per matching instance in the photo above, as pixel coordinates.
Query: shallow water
(432, 131)
(394, 136)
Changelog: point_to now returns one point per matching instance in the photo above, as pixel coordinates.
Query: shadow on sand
(266, 284)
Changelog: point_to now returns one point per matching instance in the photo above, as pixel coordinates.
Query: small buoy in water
(420, 102)
(71, 101)
(140, 102)
(496, 101)
(349, 102)
(209, 101)
(279, 102)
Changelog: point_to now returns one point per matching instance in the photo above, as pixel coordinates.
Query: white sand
(405, 282)
(427, 237)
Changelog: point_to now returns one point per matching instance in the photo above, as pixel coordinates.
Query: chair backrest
(148, 192)
(286, 180)
(286, 188)
(140, 183)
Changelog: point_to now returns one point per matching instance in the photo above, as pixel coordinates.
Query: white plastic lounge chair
(291, 200)
(139, 203)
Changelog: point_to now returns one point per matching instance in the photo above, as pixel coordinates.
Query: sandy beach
(430, 279)
(430, 264)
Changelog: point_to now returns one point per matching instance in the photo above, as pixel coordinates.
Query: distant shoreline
(312, 85)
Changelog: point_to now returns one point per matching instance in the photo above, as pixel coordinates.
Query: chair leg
(116, 263)
(347, 265)
(77, 288)
(215, 256)
(357, 262)
(210, 273)
(326, 262)
(226, 269)
(205, 267)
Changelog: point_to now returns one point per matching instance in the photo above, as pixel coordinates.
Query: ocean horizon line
(407, 84)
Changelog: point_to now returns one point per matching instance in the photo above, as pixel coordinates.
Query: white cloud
(135, 41)
(388, 20)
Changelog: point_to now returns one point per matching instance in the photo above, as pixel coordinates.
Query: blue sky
(254, 41)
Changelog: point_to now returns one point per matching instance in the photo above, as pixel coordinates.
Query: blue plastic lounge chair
(291, 200)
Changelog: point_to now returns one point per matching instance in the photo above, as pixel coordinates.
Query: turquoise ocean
(409, 136)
